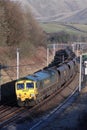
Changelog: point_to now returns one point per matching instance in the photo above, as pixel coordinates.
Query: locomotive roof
(40, 75)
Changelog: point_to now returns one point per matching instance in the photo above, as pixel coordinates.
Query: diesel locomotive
(34, 88)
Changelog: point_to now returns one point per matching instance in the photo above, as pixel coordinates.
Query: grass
(57, 27)
(51, 27)
(81, 26)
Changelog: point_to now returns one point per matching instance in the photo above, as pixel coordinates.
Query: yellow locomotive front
(32, 89)
(26, 92)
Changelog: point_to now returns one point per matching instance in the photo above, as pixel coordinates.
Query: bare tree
(20, 28)
(15, 22)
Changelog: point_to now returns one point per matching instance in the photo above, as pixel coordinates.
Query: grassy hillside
(53, 7)
(70, 28)
(79, 17)
(60, 11)
(61, 32)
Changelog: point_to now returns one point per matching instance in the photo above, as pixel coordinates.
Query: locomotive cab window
(29, 85)
(20, 86)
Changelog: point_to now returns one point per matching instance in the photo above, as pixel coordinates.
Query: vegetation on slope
(18, 27)
(61, 32)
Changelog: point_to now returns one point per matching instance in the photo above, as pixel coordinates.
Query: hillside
(18, 29)
(54, 10)
(79, 17)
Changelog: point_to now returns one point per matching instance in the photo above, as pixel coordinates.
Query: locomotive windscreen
(29, 85)
(20, 86)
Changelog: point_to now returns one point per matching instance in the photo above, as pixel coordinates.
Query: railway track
(53, 113)
(9, 115)
(39, 124)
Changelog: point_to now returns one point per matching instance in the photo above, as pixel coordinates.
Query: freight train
(8, 92)
(34, 88)
(62, 56)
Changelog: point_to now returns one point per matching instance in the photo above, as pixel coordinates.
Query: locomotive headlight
(19, 95)
(32, 95)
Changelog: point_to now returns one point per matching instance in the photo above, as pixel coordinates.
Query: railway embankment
(43, 114)
(73, 117)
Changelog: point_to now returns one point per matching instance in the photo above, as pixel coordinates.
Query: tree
(15, 22)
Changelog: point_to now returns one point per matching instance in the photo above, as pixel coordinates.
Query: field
(80, 29)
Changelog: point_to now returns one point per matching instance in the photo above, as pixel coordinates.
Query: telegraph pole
(17, 63)
(47, 56)
(73, 48)
(80, 78)
(54, 50)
